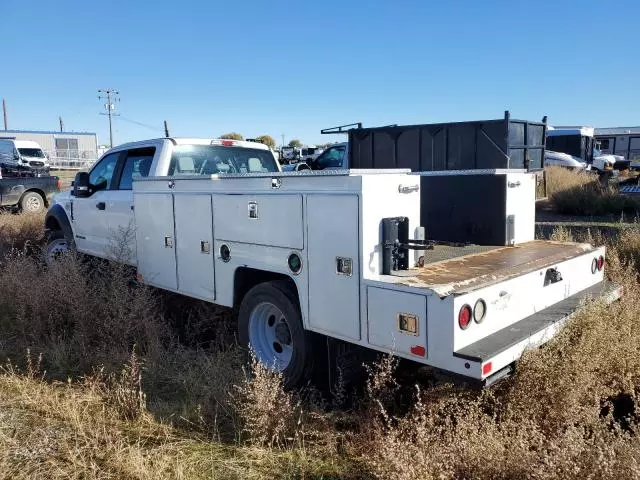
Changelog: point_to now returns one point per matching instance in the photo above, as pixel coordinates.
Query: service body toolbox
(384, 259)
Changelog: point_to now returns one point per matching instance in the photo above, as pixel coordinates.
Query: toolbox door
(155, 239)
(194, 245)
(334, 266)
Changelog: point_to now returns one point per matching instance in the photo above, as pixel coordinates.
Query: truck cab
(335, 156)
(98, 212)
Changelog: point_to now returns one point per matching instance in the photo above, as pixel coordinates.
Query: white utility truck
(339, 252)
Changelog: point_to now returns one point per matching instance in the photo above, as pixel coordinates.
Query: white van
(22, 154)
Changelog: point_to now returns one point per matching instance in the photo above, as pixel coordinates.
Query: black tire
(283, 296)
(56, 238)
(32, 202)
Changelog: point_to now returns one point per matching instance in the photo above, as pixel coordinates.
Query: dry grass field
(105, 379)
(582, 193)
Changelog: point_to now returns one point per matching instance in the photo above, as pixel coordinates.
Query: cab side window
(331, 158)
(136, 164)
(102, 174)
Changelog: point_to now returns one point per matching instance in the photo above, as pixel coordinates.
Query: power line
(111, 96)
(150, 127)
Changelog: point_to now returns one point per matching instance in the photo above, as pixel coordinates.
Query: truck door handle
(100, 205)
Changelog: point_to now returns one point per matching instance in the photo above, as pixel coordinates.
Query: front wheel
(57, 245)
(271, 324)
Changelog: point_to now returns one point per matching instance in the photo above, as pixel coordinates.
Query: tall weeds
(159, 389)
(583, 193)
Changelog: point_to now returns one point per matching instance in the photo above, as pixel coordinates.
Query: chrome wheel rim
(270, 336)
(33, 204)
(56, 249)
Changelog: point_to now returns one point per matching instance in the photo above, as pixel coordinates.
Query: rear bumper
(505, 346)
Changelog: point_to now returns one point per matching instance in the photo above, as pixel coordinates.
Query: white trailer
(341, 253)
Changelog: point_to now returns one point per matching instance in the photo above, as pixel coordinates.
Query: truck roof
(570, 130)
(618, 131)
(196, 141)
(24, 143)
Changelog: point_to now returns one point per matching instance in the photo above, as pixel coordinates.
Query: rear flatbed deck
(471, 269)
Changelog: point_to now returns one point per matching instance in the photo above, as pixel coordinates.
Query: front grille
(35, 163)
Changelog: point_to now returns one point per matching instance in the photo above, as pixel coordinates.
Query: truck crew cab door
(119, 208)
(88, 214)
(103, 222)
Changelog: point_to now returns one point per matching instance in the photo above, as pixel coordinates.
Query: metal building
(623, 141)
(65, 149)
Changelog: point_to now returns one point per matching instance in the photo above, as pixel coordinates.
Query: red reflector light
(464, 317)
(59, 184)
(418, 350)
(600, 262)
(486, 368)
(227, 143)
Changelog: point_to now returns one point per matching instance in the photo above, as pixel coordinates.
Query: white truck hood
(563, 159)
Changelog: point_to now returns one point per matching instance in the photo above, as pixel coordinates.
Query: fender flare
(57, 215)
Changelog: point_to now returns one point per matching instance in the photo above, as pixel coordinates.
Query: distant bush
(232, 136)
(582, 193)
(267, 140)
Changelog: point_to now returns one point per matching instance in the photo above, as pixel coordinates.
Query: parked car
(27, 191)
(309, 153)
(290, 155)
(23, 154)
(559, 159)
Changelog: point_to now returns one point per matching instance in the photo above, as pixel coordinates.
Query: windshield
(31, 152)
(213, 159)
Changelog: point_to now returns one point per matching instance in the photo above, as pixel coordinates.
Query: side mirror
(81, 185)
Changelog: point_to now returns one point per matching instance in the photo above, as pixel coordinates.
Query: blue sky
(292, 68)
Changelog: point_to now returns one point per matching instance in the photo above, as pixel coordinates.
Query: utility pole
(111, 96)
(4, 112)
(282, 144)
(61, 124)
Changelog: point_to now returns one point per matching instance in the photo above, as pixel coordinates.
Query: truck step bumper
(507, 345)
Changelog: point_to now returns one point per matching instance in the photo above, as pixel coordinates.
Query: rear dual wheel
(270, 323)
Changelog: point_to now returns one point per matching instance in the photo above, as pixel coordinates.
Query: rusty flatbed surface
(468, 272)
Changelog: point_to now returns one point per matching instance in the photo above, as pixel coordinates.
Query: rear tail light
(418, 350)
(600, 263)
(464, 317)
(486, 368)
(479, 311)
(227, 143)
